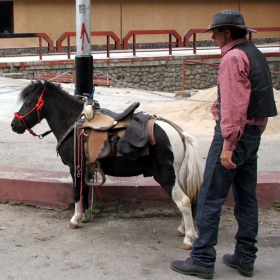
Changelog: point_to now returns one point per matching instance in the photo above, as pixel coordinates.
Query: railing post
(108, 46)
(170, 43)
(68, 47)
(134, 45)
(250, 35)
(194, 43)
(40, 48)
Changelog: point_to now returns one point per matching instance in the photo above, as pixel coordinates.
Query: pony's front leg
(77, 217)
(86, 210)
(82, 212)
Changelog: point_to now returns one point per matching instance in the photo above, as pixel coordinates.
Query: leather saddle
(102, 131)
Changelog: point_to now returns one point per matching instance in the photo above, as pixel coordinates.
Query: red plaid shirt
(235, 90)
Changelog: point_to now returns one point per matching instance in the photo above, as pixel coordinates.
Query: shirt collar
(230, 45)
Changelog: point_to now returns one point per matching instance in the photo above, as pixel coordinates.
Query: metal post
(40, 48)
(121, 19)
(134, 44)
(194, 43)
(68, 47)
(83, 59)
(108, 46)
(170, 44)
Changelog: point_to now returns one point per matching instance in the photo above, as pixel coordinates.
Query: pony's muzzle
(17, 126)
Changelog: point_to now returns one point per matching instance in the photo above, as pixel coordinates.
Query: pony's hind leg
(169, 155)
(181, 228)
(186, 228)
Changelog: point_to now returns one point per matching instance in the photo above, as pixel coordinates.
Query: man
(245, 101)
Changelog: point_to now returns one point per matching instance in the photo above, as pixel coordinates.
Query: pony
(172, 154)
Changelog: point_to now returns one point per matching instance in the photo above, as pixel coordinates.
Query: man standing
(245, 100)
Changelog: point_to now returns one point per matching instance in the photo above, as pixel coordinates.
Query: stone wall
(166, 77)
(155, 74)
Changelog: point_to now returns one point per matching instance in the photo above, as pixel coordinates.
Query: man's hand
(226, 159)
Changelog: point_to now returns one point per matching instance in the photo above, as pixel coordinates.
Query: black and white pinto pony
(46, 100)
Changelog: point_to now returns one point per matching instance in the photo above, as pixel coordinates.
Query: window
(6, 17)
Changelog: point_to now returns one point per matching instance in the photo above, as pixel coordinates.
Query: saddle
(102, 133)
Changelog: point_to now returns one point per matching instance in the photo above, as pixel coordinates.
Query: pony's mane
(37, 86)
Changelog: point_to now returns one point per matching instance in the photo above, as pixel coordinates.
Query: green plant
(277, 205)
(120, 206)
(97, 208)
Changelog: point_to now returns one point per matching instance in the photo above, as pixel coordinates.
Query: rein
(38, 107)
(64, 136)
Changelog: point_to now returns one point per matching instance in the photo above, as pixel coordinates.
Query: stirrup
(93, 169)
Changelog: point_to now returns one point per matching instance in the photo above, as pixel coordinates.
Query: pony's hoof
(73, 225)
(86, 217)
(186, 246)
(179, 233)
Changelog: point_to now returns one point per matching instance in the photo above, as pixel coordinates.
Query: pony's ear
(32, 82)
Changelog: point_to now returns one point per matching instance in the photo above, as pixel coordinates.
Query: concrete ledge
(36, 187)
(268, 190)
(51, 189)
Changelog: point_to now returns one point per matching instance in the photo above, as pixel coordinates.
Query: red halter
(37, 107)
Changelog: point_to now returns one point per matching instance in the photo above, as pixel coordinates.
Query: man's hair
(236, 33)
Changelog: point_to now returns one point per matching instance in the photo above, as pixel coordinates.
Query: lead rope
(92, 197)
(80, 167)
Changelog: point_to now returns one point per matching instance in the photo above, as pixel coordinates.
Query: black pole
(84, 74)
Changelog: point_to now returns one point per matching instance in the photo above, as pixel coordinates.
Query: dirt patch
(196, 113)
(268, 218)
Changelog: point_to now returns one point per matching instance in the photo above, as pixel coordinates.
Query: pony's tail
(192, 172)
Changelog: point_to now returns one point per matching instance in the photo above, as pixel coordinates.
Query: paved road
(36, 244)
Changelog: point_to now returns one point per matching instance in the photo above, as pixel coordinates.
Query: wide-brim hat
(228, 19)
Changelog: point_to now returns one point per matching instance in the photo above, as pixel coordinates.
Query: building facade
(55, 17)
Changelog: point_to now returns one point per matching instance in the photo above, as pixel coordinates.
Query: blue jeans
(214, 191)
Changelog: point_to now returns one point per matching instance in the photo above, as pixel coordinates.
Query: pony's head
(31, 111)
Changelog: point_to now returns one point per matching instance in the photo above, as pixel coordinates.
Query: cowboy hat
(228, 19)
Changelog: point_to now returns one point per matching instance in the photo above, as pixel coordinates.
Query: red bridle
(37, 107)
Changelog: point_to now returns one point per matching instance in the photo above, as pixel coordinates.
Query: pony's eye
(27, 104)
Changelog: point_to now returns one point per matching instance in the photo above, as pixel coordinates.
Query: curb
(53, 189)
